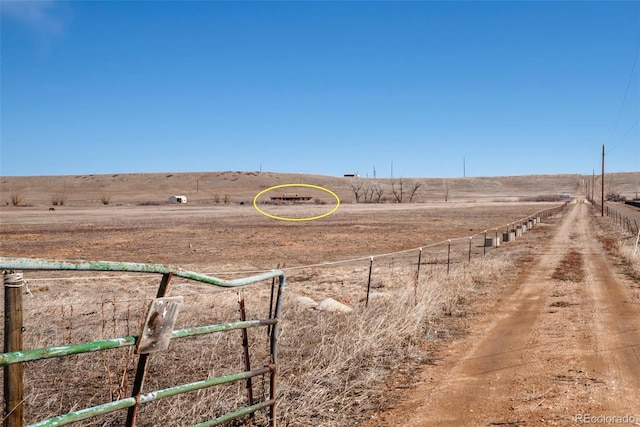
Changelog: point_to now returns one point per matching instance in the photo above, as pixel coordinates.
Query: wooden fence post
(13, 329)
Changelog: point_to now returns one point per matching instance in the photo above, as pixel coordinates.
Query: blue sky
(511, 88)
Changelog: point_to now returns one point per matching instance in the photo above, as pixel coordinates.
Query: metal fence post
(13, 329)
(484, 246)
(449, 257)
(415, 283)
(369, 281)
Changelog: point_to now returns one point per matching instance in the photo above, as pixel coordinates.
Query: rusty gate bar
(276, 315)
(271, 300)
(141, 370)
(17, 357)
(245, 347)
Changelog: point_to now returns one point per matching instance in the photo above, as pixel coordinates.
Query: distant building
(351, 175)
(290, 197)
(178, 199)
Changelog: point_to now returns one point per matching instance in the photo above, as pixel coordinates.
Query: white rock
(330, 304)
(376, 295)
(304, 302)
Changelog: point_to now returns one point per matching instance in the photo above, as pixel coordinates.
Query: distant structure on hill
(291, 198)
(178, 199)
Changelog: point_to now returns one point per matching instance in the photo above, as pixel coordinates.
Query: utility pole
(464, 167)
(374, 171)
(602, 189)
(593, 183)
(391, 169)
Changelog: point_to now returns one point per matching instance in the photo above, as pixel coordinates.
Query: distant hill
(207, 187)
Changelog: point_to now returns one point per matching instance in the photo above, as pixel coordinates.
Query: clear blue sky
(515, 88)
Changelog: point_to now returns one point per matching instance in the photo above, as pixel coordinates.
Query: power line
(626, 92)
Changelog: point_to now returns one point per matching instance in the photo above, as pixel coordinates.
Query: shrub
(59, 199)
(105, 197)
(615, 197)
(16, 197)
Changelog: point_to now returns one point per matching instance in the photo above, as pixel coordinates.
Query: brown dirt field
(560, 344)
(561, 339)
(228, 238)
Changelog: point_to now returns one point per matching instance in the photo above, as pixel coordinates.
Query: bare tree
(357, 186)
(446, 186)
(368, 193)
(397, 189)
(379, 192)
(414, 189)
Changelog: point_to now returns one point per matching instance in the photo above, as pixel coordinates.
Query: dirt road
(562, 347)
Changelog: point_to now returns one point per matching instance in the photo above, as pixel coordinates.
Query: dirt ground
(559, 347)
(217, 239)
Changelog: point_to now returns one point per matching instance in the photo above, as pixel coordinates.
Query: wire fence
(619, 218)
(58, 311)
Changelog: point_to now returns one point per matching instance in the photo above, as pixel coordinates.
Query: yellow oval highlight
(310, 218)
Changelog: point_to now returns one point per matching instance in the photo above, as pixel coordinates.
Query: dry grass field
(335, 369)
(205, 188)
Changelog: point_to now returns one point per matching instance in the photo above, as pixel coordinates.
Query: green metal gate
(14, 356)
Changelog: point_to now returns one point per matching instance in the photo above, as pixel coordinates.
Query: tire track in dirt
(561, 346)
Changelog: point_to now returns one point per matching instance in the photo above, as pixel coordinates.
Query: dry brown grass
(202, 188)
(339, 362)
(630, 255)
(332, 366)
